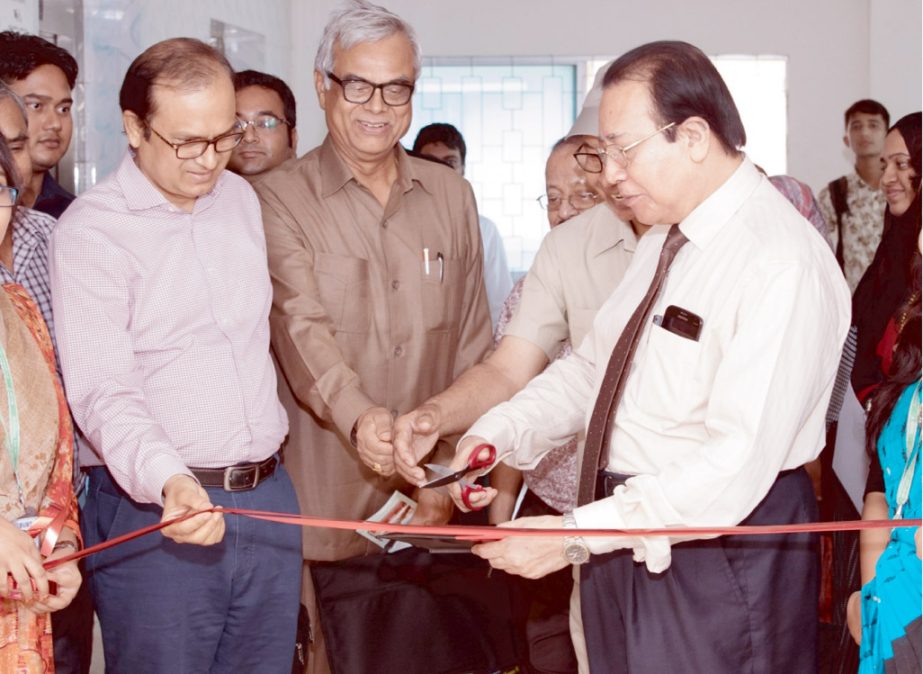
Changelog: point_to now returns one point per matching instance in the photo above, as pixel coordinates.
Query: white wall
(895, 54)
(837, 52)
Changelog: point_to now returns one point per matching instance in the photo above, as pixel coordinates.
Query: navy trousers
(734, 604)
(166, 607)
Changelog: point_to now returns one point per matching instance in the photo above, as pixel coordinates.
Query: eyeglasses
(196, 148)
(358, 90)
(579, 201)
(263, 123)
(588, 159)
(8, 196)
(619, 154)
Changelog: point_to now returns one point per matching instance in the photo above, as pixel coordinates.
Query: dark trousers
(166, 607)
(734, 604)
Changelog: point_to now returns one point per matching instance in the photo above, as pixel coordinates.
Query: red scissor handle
(466, 493)
(474, 460)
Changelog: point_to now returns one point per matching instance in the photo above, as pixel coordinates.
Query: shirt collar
(709, 217)
(32, 222)
(51, 189)
(141, 194)
(614, 231)
(335, 173)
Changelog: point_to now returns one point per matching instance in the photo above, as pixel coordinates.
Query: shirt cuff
(654, 551)
(158, 470)
(345, 410)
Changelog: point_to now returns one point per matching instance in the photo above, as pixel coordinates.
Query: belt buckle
(232, 470)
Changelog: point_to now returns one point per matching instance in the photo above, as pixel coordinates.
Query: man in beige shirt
(376, 265)
(578, 265)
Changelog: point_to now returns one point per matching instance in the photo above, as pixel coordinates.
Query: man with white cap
(579, 264)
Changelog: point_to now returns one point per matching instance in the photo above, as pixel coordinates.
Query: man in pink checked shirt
(162, 294)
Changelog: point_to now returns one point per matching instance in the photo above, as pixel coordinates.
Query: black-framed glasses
(578, 200)
(588, 159)
(8, 196)
(263, 123)
(194, 149)
(619, 154)
(358, 90)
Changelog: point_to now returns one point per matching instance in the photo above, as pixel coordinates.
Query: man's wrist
(575, 547)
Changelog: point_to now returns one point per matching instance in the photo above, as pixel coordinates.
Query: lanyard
(910, 451)
(12, 433)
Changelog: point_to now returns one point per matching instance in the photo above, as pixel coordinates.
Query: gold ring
(377, 467)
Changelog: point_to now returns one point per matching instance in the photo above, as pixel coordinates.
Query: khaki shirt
(578, 265)
(372, 307)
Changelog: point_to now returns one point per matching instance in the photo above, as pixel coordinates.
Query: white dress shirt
(704, 426)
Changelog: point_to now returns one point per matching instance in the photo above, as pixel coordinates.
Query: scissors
(447, 476)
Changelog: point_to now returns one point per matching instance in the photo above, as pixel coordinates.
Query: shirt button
(384, 224)
(395, 285)
(398, 351)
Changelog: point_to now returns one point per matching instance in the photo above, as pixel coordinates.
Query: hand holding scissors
(482, 456)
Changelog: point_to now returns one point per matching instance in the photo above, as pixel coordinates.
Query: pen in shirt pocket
(428, 264)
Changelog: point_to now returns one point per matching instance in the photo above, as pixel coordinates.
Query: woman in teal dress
(888, 608)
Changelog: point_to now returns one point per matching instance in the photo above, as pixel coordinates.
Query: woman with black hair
(885, 284)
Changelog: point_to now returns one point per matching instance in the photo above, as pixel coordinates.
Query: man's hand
(374, 429)
(67, 576)
(415, 435)
(529, 557)
(20, 559)
(433, 508)
(479, 499)
(183, 495)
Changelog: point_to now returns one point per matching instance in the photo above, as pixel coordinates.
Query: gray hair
(6, 92)
(358, 23)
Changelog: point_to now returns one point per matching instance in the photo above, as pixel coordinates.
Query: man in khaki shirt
(376, 265)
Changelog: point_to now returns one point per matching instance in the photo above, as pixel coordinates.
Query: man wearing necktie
(702, 388)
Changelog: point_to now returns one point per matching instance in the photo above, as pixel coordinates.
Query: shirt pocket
(343, 286)
(442, 292)
(665, 382)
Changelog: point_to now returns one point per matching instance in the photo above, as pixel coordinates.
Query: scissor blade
(446, 475)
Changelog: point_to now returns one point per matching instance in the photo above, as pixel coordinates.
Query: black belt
(606, 482)
(242, 477)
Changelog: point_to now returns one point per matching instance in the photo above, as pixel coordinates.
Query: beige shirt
(372, 307)
(578, 265)
(862, 226)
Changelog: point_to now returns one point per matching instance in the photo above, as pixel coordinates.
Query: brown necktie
(616, 373)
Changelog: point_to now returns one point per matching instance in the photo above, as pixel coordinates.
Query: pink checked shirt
(161, 322)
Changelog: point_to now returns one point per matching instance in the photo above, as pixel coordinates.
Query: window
(510, 115)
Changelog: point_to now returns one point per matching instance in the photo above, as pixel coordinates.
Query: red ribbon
(471, 533)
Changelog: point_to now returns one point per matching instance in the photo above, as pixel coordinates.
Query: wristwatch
(575, 548)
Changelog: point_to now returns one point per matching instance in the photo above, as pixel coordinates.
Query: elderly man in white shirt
(716, 412)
